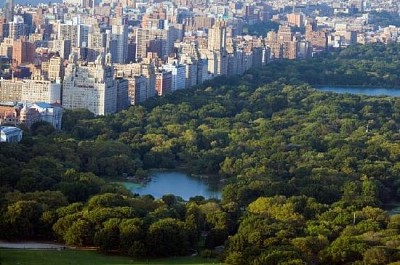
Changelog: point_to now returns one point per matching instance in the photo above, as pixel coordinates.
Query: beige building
(6, 47)
(90, 86)
(56, 69)
(40, 90)
(296, 19)
(154, 40)
(141, 77)
(10, 90)
(217, 36)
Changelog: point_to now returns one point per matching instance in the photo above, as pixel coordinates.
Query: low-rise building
(10, 134)
(51, 113)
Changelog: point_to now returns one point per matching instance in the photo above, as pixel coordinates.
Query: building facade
(90, 86)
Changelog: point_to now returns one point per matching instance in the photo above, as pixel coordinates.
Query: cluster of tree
(306, 172)
(261, 28)
(385, 18)
(117, 222)
(372, 65)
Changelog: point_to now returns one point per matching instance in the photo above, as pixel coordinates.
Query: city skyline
(157, 48)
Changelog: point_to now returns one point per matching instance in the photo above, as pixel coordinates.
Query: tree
(108, 237)
(167, 237)
(22, 219)
(376, 256)
(344, 249)
(80, 234)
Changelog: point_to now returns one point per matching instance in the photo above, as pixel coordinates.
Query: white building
(39, 90)
(178, 74)
(51, 113)
(10, 134)
(90, 86)
(16, 28)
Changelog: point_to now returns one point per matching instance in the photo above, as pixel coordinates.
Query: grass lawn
(84, 257)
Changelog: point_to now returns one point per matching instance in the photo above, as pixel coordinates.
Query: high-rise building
(38, 17)
(62, 47)
(122, 85)
(296, 19)
(119, 48)
(282, 44)
(10, 90)
(68, 32)
(163, 82)
(8, 10)
(217, 36)
(178, 72)
(3, 28)
(152, 38)
(23, 51)
(56, 69)
(90, 86)
(284, 34)
(83, 35)
(317, 38)
(137, 89)
(6, 47)
(16, 28)
(251, 15)
(141, 77)
(40, 90)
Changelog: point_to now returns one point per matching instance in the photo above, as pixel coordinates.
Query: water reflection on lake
(177, 183)
(392, 208)
(368, 91)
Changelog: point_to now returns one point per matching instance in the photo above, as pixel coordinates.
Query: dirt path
(30, 245)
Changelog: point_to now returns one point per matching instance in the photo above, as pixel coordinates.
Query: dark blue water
(392, 209)
(176, 183)
(393, 92)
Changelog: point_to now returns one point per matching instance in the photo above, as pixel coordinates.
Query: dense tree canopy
(304, 179)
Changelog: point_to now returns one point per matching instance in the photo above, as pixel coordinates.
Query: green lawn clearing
(85, 257)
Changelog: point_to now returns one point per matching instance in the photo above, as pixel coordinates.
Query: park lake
(368, 91)
(176, 183)
(186, 186)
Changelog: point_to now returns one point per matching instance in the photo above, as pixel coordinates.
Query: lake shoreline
(178, 183)
(355, 86)
(361, 91)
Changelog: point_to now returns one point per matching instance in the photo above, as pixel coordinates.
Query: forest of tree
(305, 181)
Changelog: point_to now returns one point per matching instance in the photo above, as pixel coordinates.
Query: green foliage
(167, 237)
(303, 179)
(42, 128)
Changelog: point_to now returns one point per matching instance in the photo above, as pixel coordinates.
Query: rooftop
(9, 129)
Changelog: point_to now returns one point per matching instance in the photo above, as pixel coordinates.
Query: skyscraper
(9, 10)
(217, 36)
(119, 45)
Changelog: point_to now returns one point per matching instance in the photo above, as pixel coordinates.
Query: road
(30, 245)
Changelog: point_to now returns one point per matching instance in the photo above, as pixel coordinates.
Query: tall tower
(217, 36)
(9, 10)
(16, 27)
(119, 32)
